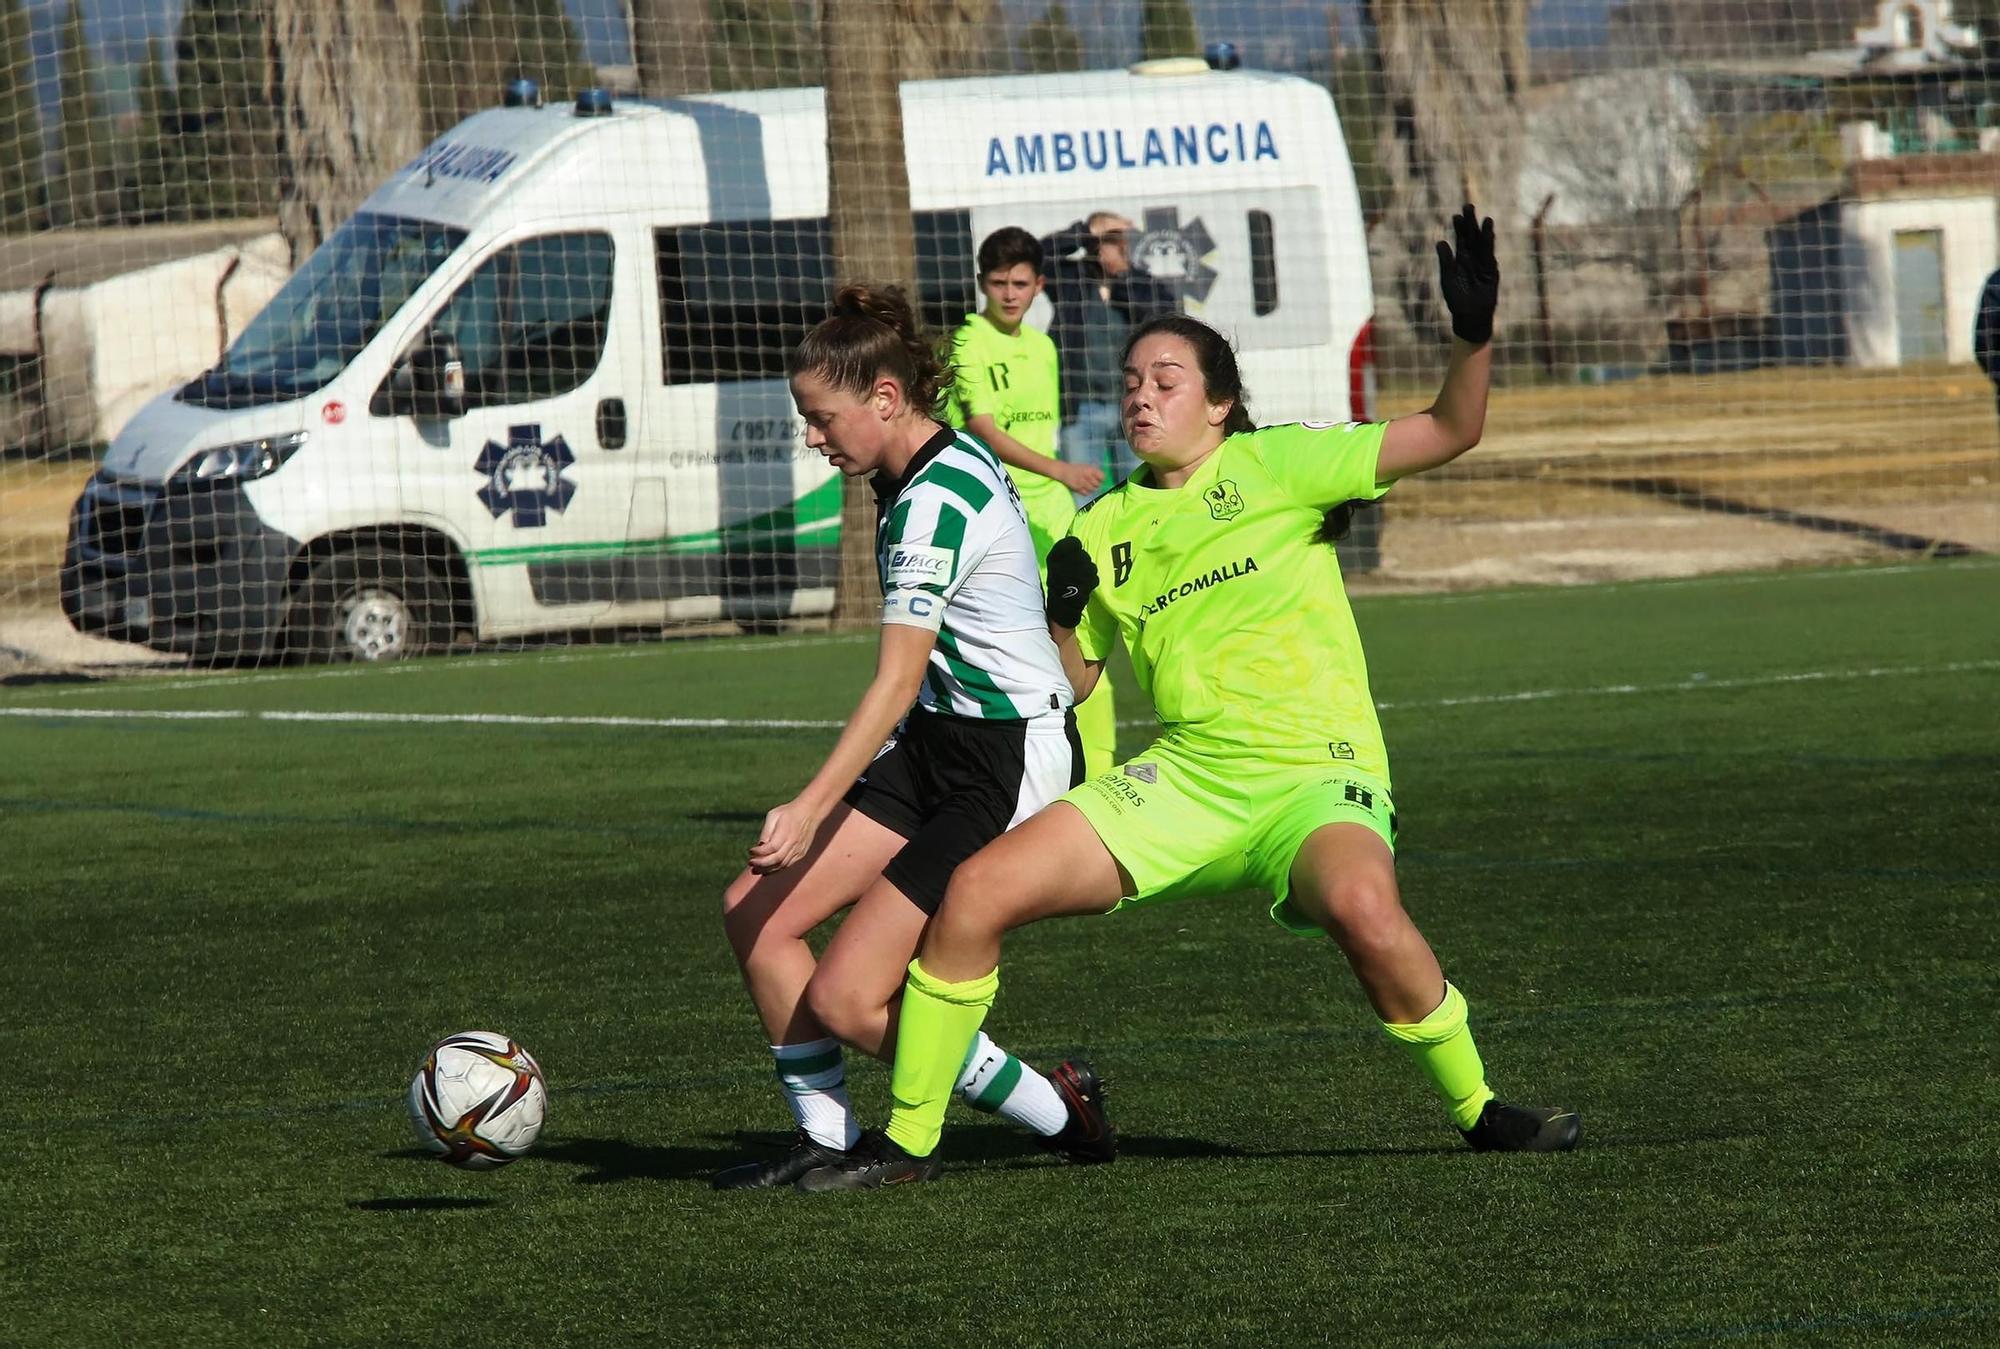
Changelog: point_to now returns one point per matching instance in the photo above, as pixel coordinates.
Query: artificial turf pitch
(1715, 861)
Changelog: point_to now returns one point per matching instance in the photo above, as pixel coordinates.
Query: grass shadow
(725, 816)
(23, 681)
(997, 1145)
(607, 1161)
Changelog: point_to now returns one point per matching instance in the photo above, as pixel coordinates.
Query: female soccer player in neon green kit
(1271, 770)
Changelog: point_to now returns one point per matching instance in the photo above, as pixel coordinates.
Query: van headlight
(245, 459)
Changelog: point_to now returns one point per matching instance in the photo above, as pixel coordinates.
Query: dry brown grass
(1915, 449)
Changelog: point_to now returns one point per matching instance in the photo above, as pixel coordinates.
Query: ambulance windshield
(327, 312)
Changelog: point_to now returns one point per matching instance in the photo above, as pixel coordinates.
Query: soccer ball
(479, 1100)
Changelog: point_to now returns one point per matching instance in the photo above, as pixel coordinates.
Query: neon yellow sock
(1097, 727)
(1442, 1046)
(937, 1026)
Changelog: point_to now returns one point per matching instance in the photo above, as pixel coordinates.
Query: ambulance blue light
(522, 94)
(593, 103)
(1223, 56)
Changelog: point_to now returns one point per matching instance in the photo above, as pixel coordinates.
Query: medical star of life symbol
(525, 476)
(1170, 251)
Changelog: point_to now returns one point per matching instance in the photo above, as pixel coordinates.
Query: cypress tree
(1167, 28)
(155, 187)
(762, 44)
(1051, 42)
(85, 193)
(493, 42)
(23, 190)
(226, 146)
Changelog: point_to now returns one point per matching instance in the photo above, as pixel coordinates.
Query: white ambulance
(536, 383)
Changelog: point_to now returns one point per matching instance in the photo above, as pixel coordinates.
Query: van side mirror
(428, 382)
(437, 377)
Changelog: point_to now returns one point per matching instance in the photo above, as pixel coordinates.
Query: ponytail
(872, 331)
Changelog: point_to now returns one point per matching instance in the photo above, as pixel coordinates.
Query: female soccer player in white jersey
(1271, 770)
(909, 791)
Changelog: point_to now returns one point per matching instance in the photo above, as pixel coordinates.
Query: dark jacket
(1986, 329)
(1090, 331)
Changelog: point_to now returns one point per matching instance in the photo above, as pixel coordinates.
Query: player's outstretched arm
(1469, 280)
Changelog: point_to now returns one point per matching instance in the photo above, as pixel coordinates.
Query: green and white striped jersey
(955, 556)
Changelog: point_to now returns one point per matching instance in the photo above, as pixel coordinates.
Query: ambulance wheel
(369, 605)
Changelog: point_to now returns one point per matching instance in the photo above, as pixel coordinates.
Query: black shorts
(951, 785)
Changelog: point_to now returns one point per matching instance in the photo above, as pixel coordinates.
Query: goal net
(357, 331)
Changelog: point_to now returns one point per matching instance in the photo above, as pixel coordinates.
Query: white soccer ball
(479, 1100)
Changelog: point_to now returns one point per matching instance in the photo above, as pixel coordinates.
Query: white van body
(624, 280)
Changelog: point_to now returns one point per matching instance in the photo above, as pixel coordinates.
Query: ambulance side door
(536, 473)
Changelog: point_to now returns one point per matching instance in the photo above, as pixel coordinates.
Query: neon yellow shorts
(1186, 825)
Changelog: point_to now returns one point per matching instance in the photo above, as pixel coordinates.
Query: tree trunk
(353, 108)
(869, 49)
(670, 46)
(868, 195)
(1453, 73)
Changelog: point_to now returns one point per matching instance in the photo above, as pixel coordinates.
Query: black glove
(1072, 576)
(1470, 281)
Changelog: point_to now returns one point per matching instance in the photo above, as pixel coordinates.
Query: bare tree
(1453, 72)
(353, 106)
(670, 46)
(1621, 155)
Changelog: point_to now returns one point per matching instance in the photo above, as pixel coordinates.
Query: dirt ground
(1659, 476)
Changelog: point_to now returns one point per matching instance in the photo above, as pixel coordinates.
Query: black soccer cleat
(1523, 1128)
(1087, 1138)
(871, 1164)
(805, 1153)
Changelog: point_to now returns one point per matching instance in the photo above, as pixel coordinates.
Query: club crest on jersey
(1121, 563)
(1224, 501)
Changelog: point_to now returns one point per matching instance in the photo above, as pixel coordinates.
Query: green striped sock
(996, 1082)
(814, 1078)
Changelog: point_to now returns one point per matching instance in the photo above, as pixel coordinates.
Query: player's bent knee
(847, 1013)
(980, 879)
(753, 911)
(1362, 911)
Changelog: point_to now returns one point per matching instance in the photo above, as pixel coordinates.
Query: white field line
(414, 718)
(1698, 683)
(1532, 591)
(448, 665)
(1693, 684)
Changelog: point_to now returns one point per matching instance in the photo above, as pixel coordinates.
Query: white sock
(814, 1077)
(996, 1082)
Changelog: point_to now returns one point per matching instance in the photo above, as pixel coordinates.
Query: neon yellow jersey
(1231, 607)
(1016, 380)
